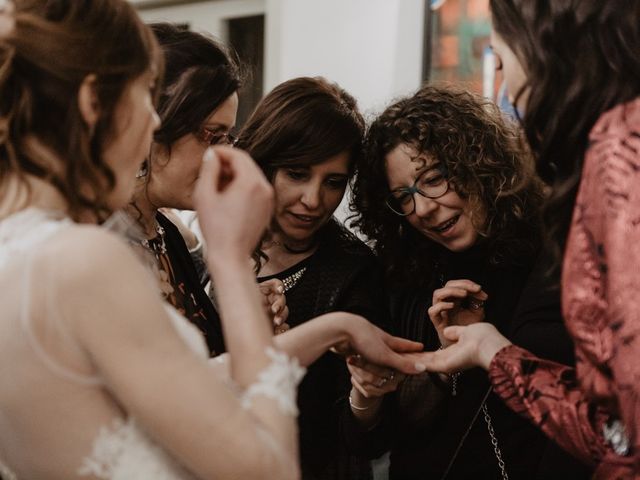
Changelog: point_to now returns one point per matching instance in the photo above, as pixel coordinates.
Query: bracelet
(355, 407)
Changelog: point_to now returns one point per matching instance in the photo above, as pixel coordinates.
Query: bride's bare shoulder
(83, 252)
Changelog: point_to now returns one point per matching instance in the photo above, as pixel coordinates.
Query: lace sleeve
(278, 381)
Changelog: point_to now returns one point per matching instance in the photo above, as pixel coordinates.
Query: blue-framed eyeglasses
(431, 183)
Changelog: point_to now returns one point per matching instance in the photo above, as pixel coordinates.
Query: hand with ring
(459, 302)
(370, 382)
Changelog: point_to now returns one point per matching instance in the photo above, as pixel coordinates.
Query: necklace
(162, 265)
(289, 249)
(291, 281)
(293, 250)
(157, 244)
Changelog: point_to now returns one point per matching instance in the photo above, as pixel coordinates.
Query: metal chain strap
(494, 442)
(454, 382)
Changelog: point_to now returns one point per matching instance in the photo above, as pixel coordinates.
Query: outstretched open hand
(469, 346)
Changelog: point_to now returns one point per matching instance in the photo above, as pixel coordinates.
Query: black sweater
(423, 423)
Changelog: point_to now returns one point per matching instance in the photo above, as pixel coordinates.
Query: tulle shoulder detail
(123, 451)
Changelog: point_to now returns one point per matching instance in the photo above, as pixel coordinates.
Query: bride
(99, 378)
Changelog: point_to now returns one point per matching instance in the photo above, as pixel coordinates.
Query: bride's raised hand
(234, 202)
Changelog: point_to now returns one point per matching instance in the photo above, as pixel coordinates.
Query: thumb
(209, 175)
(405, 364)
(402, 345)
(453, 333)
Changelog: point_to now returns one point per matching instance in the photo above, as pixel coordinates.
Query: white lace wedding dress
(52, 416)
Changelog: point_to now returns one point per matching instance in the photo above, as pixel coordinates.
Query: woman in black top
(448, 197)
(197, 106)
(306, 136)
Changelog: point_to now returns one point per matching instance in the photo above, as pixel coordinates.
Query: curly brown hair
(486, 163)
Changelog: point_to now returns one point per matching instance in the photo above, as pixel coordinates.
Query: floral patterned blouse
(594, 410)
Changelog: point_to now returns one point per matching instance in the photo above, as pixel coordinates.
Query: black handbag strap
(466, 434)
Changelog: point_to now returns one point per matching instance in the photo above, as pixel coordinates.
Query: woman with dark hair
(197, 107)
(449, 197)
(573, 69)
(306, 136)
(99, 377)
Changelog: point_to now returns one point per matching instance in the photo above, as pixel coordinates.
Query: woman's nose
(311, 197)
(424, 206)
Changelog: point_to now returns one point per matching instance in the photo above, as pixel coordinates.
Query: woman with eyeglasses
(197, 107)
(306, 136)
(100, 378)
(450, 200)
(573, 69)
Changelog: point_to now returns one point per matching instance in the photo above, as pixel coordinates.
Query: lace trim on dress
(278, 381)
(124, 452)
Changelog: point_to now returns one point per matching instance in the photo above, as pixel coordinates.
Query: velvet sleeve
(616, 189)
(548, 394)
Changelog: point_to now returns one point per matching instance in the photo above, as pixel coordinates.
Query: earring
(144, 170)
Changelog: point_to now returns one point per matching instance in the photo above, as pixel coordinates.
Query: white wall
(372, 48)
(205, 16)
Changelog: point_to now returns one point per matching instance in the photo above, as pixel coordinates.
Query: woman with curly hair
(449, 198)
(572, 67)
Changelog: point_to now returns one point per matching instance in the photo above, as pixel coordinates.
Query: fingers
(283, 327)
(459, 289)
(372, 385)
(273, 286)
(453, 333)
(281, 317)
(432, 361)
(437, 311)
(405, 363)
(209, 176)
(278, 303)
(274, 300)
(368, 370)
(367, 392)
(402, 345)
(464, 284)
